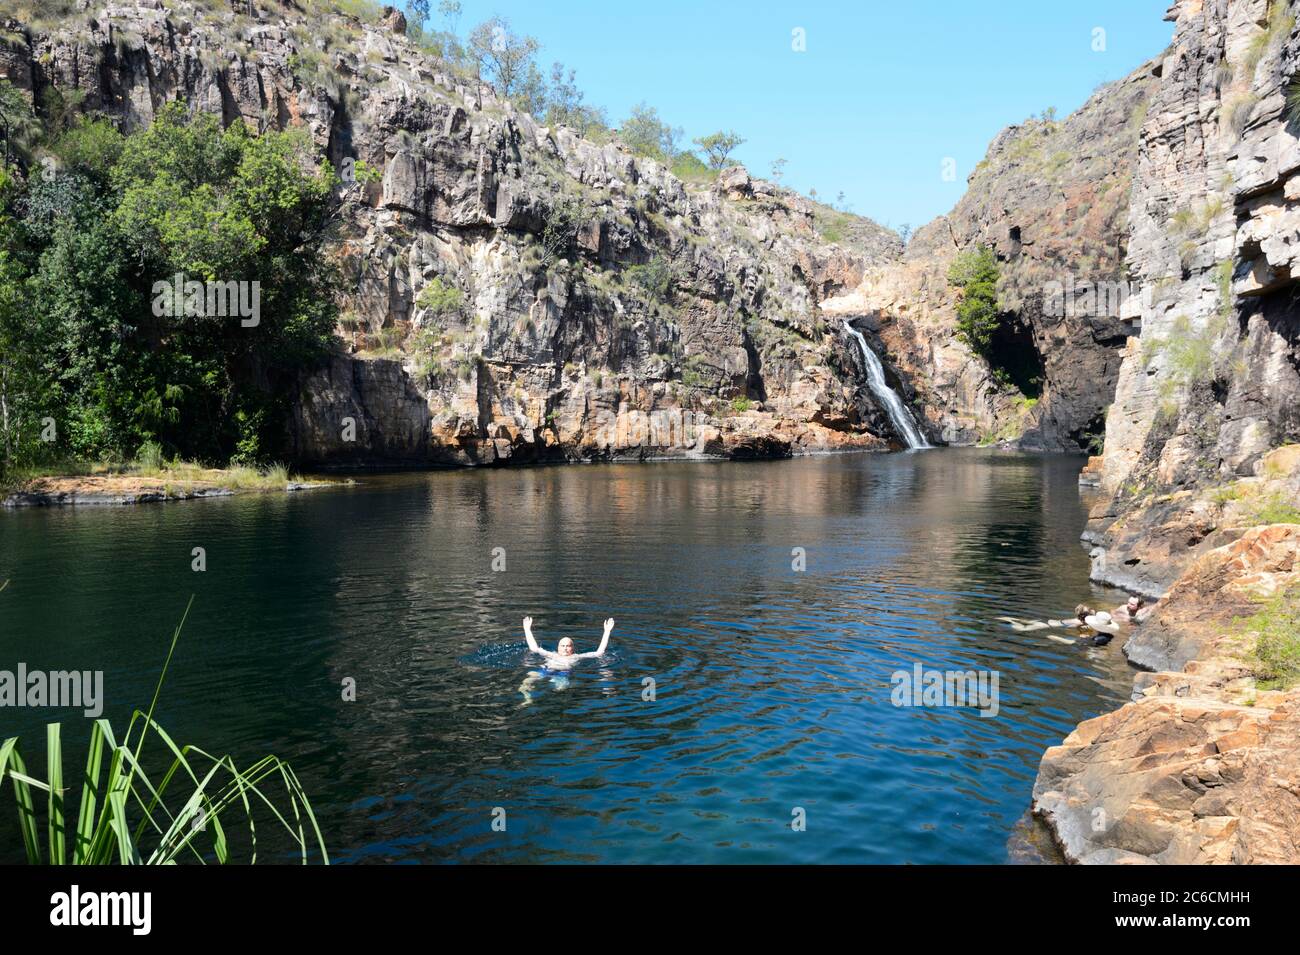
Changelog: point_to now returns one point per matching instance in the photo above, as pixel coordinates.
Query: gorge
(514, 293)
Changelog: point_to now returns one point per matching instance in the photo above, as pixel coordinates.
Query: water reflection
(771, 686)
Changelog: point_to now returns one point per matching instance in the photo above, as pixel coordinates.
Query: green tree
(564, 105)
(503, 58)
(20, 390)
(975, 272)
(646, 134)
(19, 128)
(91, 147)
(90, 347)
(719, 146)
(450, 12)
(417, 13)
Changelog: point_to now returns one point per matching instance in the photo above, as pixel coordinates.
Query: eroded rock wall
(1203, 767)
(1051, 200)
(601, 307)
(1212, 383)
(1200, 469)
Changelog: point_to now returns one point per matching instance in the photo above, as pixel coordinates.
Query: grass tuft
(1276, 629)
(126, 815)
(1275, 509)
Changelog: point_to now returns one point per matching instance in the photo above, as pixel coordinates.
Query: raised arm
(528, 635)
(604, 641)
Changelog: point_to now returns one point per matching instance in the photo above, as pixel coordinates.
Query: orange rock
(1186, 774)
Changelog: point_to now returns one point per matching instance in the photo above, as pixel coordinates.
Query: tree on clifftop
(503, 57)
(417, 12)
(646, 134)
(719, 146)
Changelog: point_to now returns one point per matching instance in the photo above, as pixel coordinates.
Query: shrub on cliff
(689, 168)
(655, 277)
(565, 217)
(440, 298)
(975, 272)
(1277, 629)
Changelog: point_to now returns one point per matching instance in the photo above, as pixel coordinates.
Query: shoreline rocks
(1203, 767)
(93, 499)
(117, 490)
(1144, 544)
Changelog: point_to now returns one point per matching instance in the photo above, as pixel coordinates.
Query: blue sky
(884, 92)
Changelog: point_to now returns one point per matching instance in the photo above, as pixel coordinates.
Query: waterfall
(904, 424)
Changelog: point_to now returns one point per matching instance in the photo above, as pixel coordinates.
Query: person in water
(559, 663)
(1096, 626)
(1133, 611)
(1102, 625)
(1081, 613)
(563, 658)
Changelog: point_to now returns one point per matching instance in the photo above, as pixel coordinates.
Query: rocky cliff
(1201, 474)
(513, 292)
(1203, 766)
(1211, 384)
(596, 305)
(518, 293)
(1051, 200)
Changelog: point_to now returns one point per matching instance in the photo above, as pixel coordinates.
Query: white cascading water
(902, 419)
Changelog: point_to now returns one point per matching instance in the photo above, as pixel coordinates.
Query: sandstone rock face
(1213, 382)
(1149, 545)
(1051, 200)
(1151, 540)
(1218, 588)
(1199, 465)
(1203, 767)
(601, 307)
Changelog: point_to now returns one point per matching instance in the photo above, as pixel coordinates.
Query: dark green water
(773, 686)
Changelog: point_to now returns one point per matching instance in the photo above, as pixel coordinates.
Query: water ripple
(771, 686)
